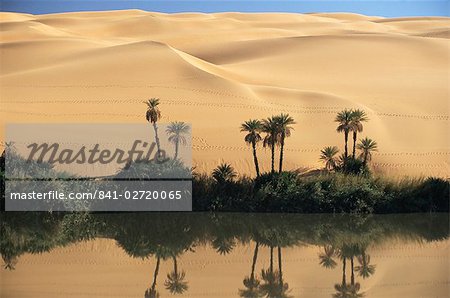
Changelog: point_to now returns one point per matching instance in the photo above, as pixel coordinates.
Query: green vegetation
(327, 193)
(345, 185)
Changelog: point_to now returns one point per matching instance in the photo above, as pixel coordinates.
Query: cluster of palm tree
(349, 121)
(276, 129)
(176, 131)
(345, 253)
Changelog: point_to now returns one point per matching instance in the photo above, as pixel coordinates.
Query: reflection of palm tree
(152, 292)
(253, 128)
(176, 131)
(347, 291)
(9, 262)
(223, 245)
(152, 115)
(365, 269)
(274, 286)
(175, 280)
(251, 283)
(326, 258)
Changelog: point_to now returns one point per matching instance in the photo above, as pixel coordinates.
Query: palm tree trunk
(354, 143)
(280, 169)
(155, 275)
(176, 149)
(255, 257)
(156, 137)
(273, 155)
(255, 159)
(279, 268)
(346, 142)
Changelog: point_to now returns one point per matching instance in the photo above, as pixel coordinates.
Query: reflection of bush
(171, 234)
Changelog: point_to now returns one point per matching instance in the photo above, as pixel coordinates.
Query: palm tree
(224, 173)
(152, 292)
(152, 115)
(367, 146)
(270, 127)
(326, 258)
(176, 130)
(328, 155)
(358, 116)
(253, 128)
(251, 283)
(365, 269)
(175, 283)
(283, 122)
(344, 118)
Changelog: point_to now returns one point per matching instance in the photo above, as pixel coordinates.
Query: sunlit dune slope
(217, 70)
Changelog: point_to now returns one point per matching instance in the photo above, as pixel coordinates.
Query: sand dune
(217, 70)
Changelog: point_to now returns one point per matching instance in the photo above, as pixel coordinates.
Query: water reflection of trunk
(280, 276)
(344, 265)
(155, 275)
(255, 257)
(271, 260)
(352, 278)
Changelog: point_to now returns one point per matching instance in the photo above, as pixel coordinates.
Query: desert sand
(218, 70)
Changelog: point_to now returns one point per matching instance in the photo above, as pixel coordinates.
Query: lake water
(224, 255)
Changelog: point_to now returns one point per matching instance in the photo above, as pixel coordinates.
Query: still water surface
(224, 255)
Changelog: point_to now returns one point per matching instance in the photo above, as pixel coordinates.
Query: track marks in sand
(267, 106)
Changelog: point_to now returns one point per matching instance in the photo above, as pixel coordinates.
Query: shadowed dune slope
(217, 70)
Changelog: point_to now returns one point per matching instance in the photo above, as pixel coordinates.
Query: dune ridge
(217, 70)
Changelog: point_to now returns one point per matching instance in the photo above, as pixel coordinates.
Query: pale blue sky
(387, 8)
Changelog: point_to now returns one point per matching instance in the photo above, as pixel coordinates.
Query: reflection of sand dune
(100, 268)
(216, 70)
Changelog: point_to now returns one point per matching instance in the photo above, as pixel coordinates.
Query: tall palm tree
(358, 117)
(344, 118)
(270, 127)
(152, 292)
(152, 115)
(176, 131)
(224, 173)
(367, 146)
(253, 128)
(328, 155)
(364, 269)
(175, 283)
(283, 122)
(251, 283)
